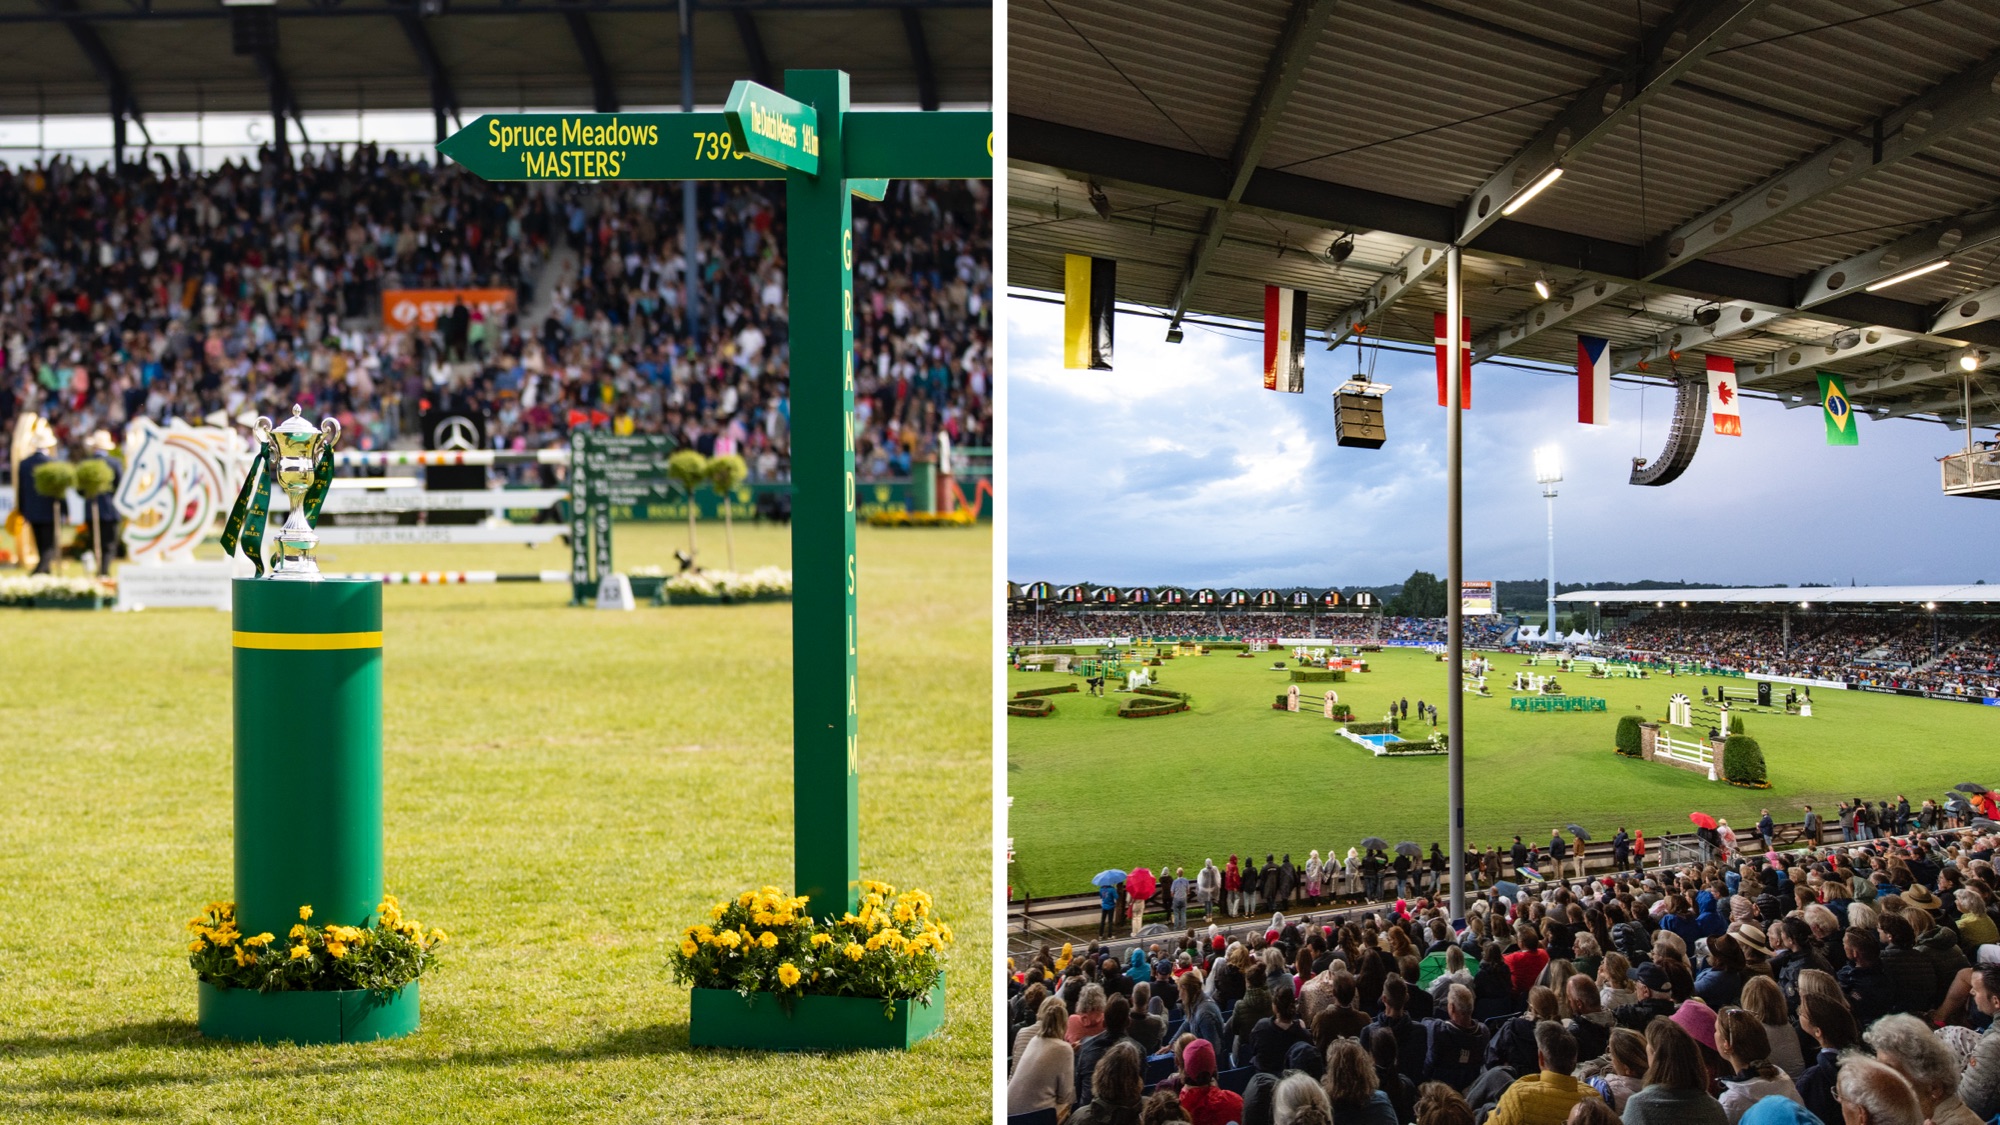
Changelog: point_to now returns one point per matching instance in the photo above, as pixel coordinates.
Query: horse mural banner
(178, 484)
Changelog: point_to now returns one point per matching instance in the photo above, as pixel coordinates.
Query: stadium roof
(1794, 595)
(180, 56)
(1734, 176)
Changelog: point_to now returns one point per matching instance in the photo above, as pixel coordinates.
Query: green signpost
(826, 154)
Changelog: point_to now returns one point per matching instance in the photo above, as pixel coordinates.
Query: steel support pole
(1454, 448)
(1549, 493)
(690, 235)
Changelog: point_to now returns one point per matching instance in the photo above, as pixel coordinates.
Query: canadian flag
(1722, 396)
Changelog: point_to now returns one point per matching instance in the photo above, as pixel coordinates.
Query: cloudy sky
(1179, 468)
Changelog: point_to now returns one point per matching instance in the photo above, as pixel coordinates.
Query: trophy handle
(262, 430)
(329, 429)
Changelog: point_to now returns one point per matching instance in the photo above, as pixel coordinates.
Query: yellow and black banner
(1088, 288)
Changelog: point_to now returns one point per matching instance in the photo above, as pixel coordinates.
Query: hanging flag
(1284, 339)
(1840, 427)
(1088, 285)
(1722, 396)
(1593, 381)
(1465, 359)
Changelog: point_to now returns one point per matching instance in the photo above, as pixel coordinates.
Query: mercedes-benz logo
(455, 432)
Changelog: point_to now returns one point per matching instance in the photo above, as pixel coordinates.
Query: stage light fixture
(1174, 335)
(1898, 279)
(1845, 340)
(1341, 250)
(1707, 315)
(1099, 202)
(1542, 289)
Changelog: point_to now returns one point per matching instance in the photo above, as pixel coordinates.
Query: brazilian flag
(1840, 429)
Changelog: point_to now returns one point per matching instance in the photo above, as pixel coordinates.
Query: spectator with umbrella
(1139, 887)
(1407, 854)
(1704, 830)
(1577, 849)
(1371, 868)
(1107, 883)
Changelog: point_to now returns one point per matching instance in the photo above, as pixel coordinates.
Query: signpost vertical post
(579, 518)
(819, 253)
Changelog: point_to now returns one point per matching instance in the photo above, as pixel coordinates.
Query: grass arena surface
(565, 789)
(1091, 790)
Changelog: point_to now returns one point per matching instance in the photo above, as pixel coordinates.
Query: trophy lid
(295, 424)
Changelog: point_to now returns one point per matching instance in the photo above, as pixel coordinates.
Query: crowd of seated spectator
(1934, 653)
(1053, 625)
(164, 291)
(1833, 984)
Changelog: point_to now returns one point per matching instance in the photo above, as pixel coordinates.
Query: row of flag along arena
(1087, 339)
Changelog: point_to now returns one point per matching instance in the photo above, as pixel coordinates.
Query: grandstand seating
(162, 291)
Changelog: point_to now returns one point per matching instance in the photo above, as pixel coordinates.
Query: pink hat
(1698, 1020)
(1198, 1059)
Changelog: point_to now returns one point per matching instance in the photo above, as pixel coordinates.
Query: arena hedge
(1030, 693)
(1152, 701)
(1628, 742)
(1318, 676)
(1030, 708)
(1743, 762)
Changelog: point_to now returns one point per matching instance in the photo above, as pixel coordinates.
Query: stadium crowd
(162, 291)
(1850, 983)
(1057, 626)
(1942, 654)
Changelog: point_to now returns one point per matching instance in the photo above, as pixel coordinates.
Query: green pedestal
(308, 663)
(306, 1018)
(720, 1018)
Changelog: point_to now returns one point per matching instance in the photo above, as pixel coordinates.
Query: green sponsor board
(772, 127)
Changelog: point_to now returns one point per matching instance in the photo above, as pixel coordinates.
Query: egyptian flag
(1593, 381)
(1284, 339)
(1840, 428)
(1465, 357)
(1088, 286)
(1722, 396)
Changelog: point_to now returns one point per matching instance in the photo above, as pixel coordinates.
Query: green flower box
(306, 1018)
(649, 587)
(69, 603)
(721, 1018)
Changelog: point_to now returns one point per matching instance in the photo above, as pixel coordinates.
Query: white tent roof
(1782, 595)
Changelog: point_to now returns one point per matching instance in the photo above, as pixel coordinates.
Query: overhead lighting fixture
(1098, 201)
(1707, 315)
(1174, 335)
(1898, 279)
(1342, 248)
(1970, 361)
(1542, 289)
(1845, 340)
(1534, 189)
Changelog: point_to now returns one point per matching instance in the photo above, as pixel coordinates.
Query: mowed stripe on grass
(564, 789)
(1091, 790)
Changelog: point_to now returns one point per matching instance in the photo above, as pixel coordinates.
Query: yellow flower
(854, 952)
(194, 946)
(298, 931)
(305, 913)
(259, 941)
(716, 912)
(300, 953)
(688, 947)
(822, 939)
(336, 949)
(768, 940)
(905, 913)
(437, 936)
(787, 975)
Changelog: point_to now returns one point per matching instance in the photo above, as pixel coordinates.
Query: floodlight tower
(1548, 474)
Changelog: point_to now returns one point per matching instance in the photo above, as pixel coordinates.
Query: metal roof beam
(603, 93)
(1171, 173)
(1934, 116)
(1409, 272)
(1281, 75)
(1731, 320)
(443, 100)
(1808, 357)
(1973, 308)
(753, 48)
(1928, 248)
(1663, 54)
(920, 58)
(99, 57)
(1924, 369)
(1545, 315)
(1943, 406)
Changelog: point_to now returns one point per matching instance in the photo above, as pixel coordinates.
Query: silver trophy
(295, 447)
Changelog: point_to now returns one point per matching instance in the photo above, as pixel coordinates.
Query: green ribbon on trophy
(253, 505)
(322, 480)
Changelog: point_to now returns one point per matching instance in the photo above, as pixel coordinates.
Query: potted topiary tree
(93, 479)
(688, 468)
(725, 474)
(1743, 762)
(1627, 741)
(54, 479)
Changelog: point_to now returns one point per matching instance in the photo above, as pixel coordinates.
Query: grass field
(564, 790)
(1091, 790)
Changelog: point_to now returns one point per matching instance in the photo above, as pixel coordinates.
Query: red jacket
(1231, 879)
(1211, 1105)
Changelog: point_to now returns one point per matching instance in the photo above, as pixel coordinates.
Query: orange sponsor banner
(403, 309)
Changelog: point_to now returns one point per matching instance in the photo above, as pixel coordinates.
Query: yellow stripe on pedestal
(306, 642)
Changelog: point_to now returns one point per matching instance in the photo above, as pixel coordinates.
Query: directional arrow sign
(772, 127)
(602, 146)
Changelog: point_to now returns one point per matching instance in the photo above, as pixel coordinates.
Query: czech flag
(1593, 381)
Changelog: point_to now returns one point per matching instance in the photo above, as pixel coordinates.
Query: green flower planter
(720, 1018)
(69, 603)
(306, 1018)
